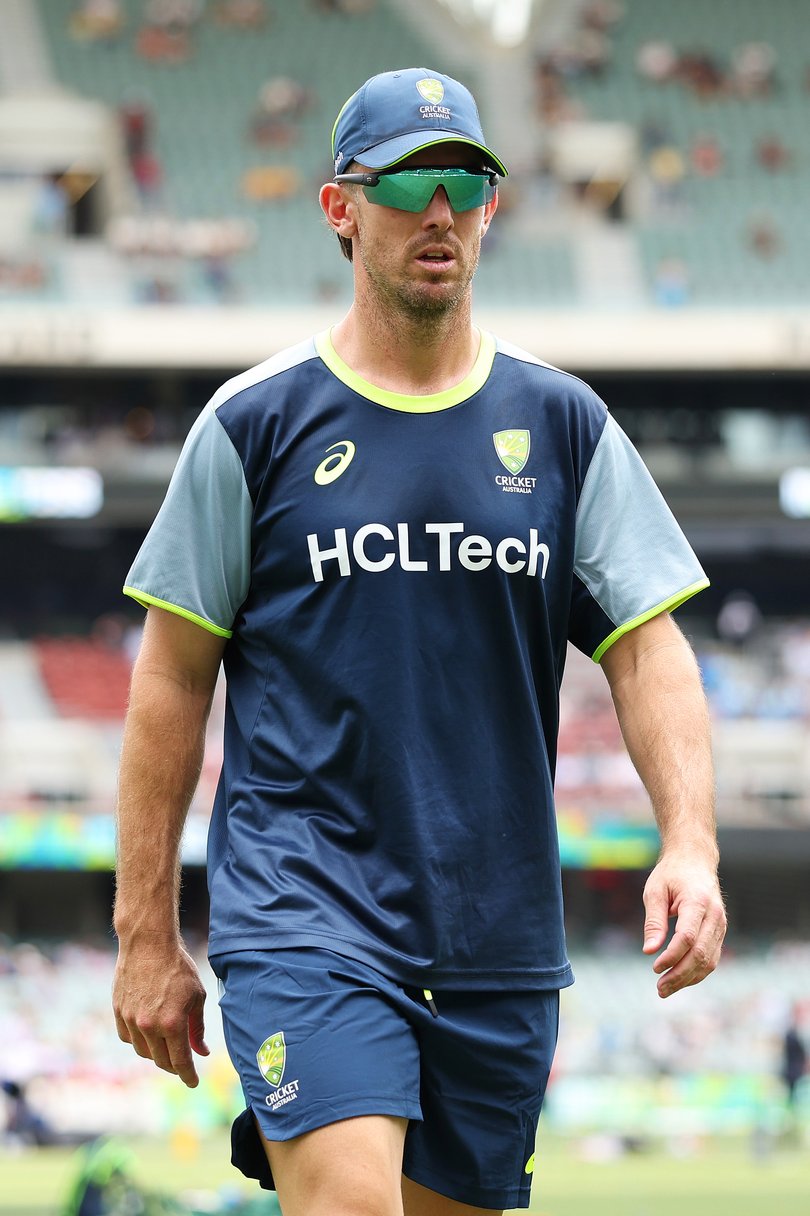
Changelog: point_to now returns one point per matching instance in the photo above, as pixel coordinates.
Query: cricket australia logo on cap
(513, 447)
(272, 1059)
(431, 90)
(432, 93)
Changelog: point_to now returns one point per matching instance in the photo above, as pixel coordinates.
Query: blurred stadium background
(159, 231)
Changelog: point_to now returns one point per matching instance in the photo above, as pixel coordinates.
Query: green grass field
(722, 1180)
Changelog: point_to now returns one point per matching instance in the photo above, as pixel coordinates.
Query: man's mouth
(437, 259)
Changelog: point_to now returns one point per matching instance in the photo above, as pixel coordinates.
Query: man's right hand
(158, 1000)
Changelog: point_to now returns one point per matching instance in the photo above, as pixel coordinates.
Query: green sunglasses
(412, 189)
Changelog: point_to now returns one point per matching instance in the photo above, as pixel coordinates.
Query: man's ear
(339, 208)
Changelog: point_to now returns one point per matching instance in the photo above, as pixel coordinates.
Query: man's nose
(438, 210)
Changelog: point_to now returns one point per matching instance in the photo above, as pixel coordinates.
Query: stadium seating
(719, 235)
(201, 111)
(62, 705)
(708, 226)
(759, 697)
(85, 679)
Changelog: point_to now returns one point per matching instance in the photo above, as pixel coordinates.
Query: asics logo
(330, 469)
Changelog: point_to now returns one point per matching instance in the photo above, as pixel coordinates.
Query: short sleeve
(195, 560)
(631, 560)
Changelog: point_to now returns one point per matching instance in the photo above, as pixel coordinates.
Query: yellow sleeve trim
(669, 605)
(147, 601)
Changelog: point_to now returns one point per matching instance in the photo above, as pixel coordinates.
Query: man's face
(422, 263)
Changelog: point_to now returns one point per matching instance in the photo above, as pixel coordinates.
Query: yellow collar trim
(431, 402)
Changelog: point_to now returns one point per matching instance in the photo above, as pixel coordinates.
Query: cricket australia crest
(431, 90)
(513, 449)
(271, 1058)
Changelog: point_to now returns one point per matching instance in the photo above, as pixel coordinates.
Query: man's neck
(400, 355)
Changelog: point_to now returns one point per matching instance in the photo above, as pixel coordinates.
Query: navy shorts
(316, 1037)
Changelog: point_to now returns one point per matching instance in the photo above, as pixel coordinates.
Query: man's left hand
(685, 886)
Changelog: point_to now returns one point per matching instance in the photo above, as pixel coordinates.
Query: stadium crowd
(578, 77)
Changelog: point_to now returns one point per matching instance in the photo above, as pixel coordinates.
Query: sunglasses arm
(357, 179)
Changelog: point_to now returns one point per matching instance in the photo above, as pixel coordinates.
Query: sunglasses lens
(412, 189)
(467, 191)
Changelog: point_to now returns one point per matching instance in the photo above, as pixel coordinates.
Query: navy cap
(396, 113)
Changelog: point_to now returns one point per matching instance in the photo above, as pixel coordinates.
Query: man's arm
(662, 711)
(157, 993)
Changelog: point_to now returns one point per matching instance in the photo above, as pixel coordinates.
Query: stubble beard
(416, 304)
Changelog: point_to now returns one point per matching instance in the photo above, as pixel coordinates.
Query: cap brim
(389, 153)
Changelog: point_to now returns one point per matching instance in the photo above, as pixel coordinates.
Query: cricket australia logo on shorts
(272, 1060)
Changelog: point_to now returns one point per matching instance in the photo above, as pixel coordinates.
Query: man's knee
(342, 1197)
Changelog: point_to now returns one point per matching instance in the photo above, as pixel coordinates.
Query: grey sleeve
(630, 555)
(195, 560)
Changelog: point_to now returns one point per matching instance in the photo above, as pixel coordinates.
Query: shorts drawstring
(431, 1004)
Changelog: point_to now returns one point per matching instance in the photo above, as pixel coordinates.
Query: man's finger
(157, 1048)
(182, 1060)
(680, 944)
(656, 921)
(139, 1044)
(196, 1032)
(697, 963)
(691, 970)
(654, 936)
(123, 1029)
(160, 1056)
(700, 926)
(171, 1054)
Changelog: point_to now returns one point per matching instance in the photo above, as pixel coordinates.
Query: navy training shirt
(398, 578)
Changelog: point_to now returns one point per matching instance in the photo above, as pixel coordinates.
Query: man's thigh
(354, 1167)
(349, 1168)
(419, 1201)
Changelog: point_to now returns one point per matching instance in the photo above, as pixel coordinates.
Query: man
(794, 1058)
(390, 532)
